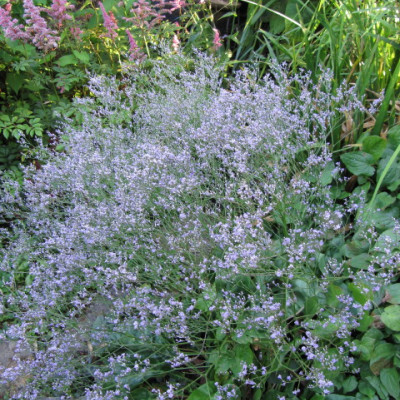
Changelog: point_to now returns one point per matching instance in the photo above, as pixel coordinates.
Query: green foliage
(357, 40)
(35, 83)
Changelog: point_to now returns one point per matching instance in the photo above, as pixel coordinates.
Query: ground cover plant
(209, 217)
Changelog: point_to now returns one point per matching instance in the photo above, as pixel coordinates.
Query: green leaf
(377, 385)
(394, 137)
(243, 353)
(333, 292)
(358, 295)
(366, 389)
(365, 322)
(82, 56)
(311, 305)
(358, 163)
(349, 384)
(326, 176)
(390, 380)
(142, 394)
(383, 200)
(390, 175)
(393, 294)
(374, 145)
(204, 392)
(67, 60)
(391, 317)
(387, 238)
(15, 81)
(361, 261)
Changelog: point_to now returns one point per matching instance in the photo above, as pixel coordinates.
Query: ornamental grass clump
(200, 212)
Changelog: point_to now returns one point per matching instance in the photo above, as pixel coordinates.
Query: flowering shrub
(49, 46)
(204, 214)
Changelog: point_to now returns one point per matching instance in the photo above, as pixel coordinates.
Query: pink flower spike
(40, 35)
(58, 11)
(134, 50)
(110, 23)
(12, 29)
(177, 5)
(76, 32)
(217, 39)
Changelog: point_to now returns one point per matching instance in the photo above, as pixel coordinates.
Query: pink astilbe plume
(217, 39)
(58, 11)
(146, 14)
(40, 34)
(177, 5)
(110, 23)
(134, 51)
(76, 32)
(12, 29)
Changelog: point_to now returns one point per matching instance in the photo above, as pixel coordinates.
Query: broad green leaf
(393, 294)
(365, 322)
(393, 187)
(358, 163)
(366, 389)
(392, 174)
(349, 384)
(390, 237)
(383, 200)
(15, 81)
(383, 350)
(326, 176)
(82, 56)
(244, 353)
(204, 392)
(390, 380)
(391, 317)
(67, 60)
(361, 261)
(382, 220)
(311, 305)
(333, 292)
(276, 24)
(374, 145)
(358, 295)
(377, 385)
(394, 136)
(224, 363)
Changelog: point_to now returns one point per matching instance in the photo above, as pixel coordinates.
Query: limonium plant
(200, 213)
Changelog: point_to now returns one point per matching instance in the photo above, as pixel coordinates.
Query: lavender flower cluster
(189, 204)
